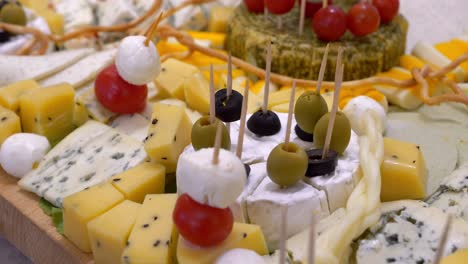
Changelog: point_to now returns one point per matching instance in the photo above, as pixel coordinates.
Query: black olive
(318, 166)
(309, 137)
(4, 36)
(264, 124)
(247, 169)
(228, 109)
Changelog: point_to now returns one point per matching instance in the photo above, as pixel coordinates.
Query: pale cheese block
(134, 125)
(96, 110)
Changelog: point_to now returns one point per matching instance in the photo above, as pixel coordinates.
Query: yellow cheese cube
(80, 114)
(245, 236)
(9, 124)
(154, 236)
(459, 257)
(137, 182)
(168, 135)
(173, 75)
(403, 171)
(10, 95)
(84, 206)
(197, 93)
(55, 21)
(219, 18)
(49, 111)
(108, 233)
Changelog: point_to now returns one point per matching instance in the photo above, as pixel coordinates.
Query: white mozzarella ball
(21, 151)
(137, 63)
(356, 110)
(239, 255)
(215, 185)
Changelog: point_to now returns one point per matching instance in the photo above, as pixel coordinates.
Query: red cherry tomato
(117, 95)
(201, 224)
(255, 6)
(329, 23)
(312, 6)
(363, 19)
(388, 9)
(279, 7)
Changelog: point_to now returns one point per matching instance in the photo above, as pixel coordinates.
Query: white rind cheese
(89, 155)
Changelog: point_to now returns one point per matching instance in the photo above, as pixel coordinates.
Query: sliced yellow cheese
(245, 236)
(282, 96)
(452, 50)
(49, 111)
(410, 62)
(219, 18)
(459, 257)
(154, 237)
(216, 39)
(137, 182)
(108, 233)
(80, 114)
(10, 95)
(197, 93)
(403, 171)
(173, 75)
(367, 90)
(84, 206)
(9, 124)
(169, 133)
(165, 47)
(255, 102)
(202, 60)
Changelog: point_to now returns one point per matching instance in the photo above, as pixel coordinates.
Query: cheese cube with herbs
(80, 114)
(108, 233)
(9, 124)
(173, 76)
(244, 236)
(91, 154)
(49, 111)
(459, 257)
(197, 93)
(153, 238)
(168, 135)
(137, 182)
(84, 206)
(10, 95)
(403, 171)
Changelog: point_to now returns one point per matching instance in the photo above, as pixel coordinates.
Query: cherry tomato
(279, 7)
(329, 23)
(201, 224)
(363, 19)
(117, 95)
(388, 9)
(255, 6)
(312, 6)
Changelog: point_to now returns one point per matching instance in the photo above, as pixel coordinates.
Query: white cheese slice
(88, 156)
(135, 126)
(77, 13)
(96, 111)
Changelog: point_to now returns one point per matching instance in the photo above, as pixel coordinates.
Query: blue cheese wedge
(135, 126)
(116, 12)
(77, 13)
(91, 154)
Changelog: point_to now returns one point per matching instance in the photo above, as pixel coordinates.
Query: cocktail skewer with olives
(240, 137)
(227, 101)
(204, 130)
(287, 162)
(265, 122)
(311, 106)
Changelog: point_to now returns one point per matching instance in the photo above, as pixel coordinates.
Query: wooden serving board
(25, 225)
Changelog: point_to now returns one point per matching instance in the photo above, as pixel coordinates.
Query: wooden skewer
(229, 76)
(212, 96)
(312, 234)
(338, 79)
(217, 145)
(266, 91)
(284, 223)
(240, 138)
(324, 3)
(290, 114)
(323, 66)
(152, 30)
(443, 240)
(279, 22)
(302, 18)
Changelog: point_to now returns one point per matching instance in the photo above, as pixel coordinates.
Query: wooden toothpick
(217, 145)
(267, 79)
(443, 240)
(240, 138)
(284, 223)
(323, 66)
(324, 3)
(302, 18)
(212, 96)
(279, 22)
(312, 234)
(331, 123)
(290, 114)
(229, 76)
(152, 30)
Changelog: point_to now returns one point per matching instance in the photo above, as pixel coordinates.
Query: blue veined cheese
(91, 154)
(303, 201)
(77, 13)
(134, 125)
(116, 12)
(409, 232)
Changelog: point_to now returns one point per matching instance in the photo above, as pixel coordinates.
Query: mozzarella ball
(239, 255)
(214, 185)
(20, 152)
(358, 107)
(137, 63)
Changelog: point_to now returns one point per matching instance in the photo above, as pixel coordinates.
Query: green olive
(204, 134)
(310, 106)
(341, 132)
(287, 166)
(13, 14)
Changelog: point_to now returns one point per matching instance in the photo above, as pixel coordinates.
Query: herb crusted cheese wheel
(217, 185)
